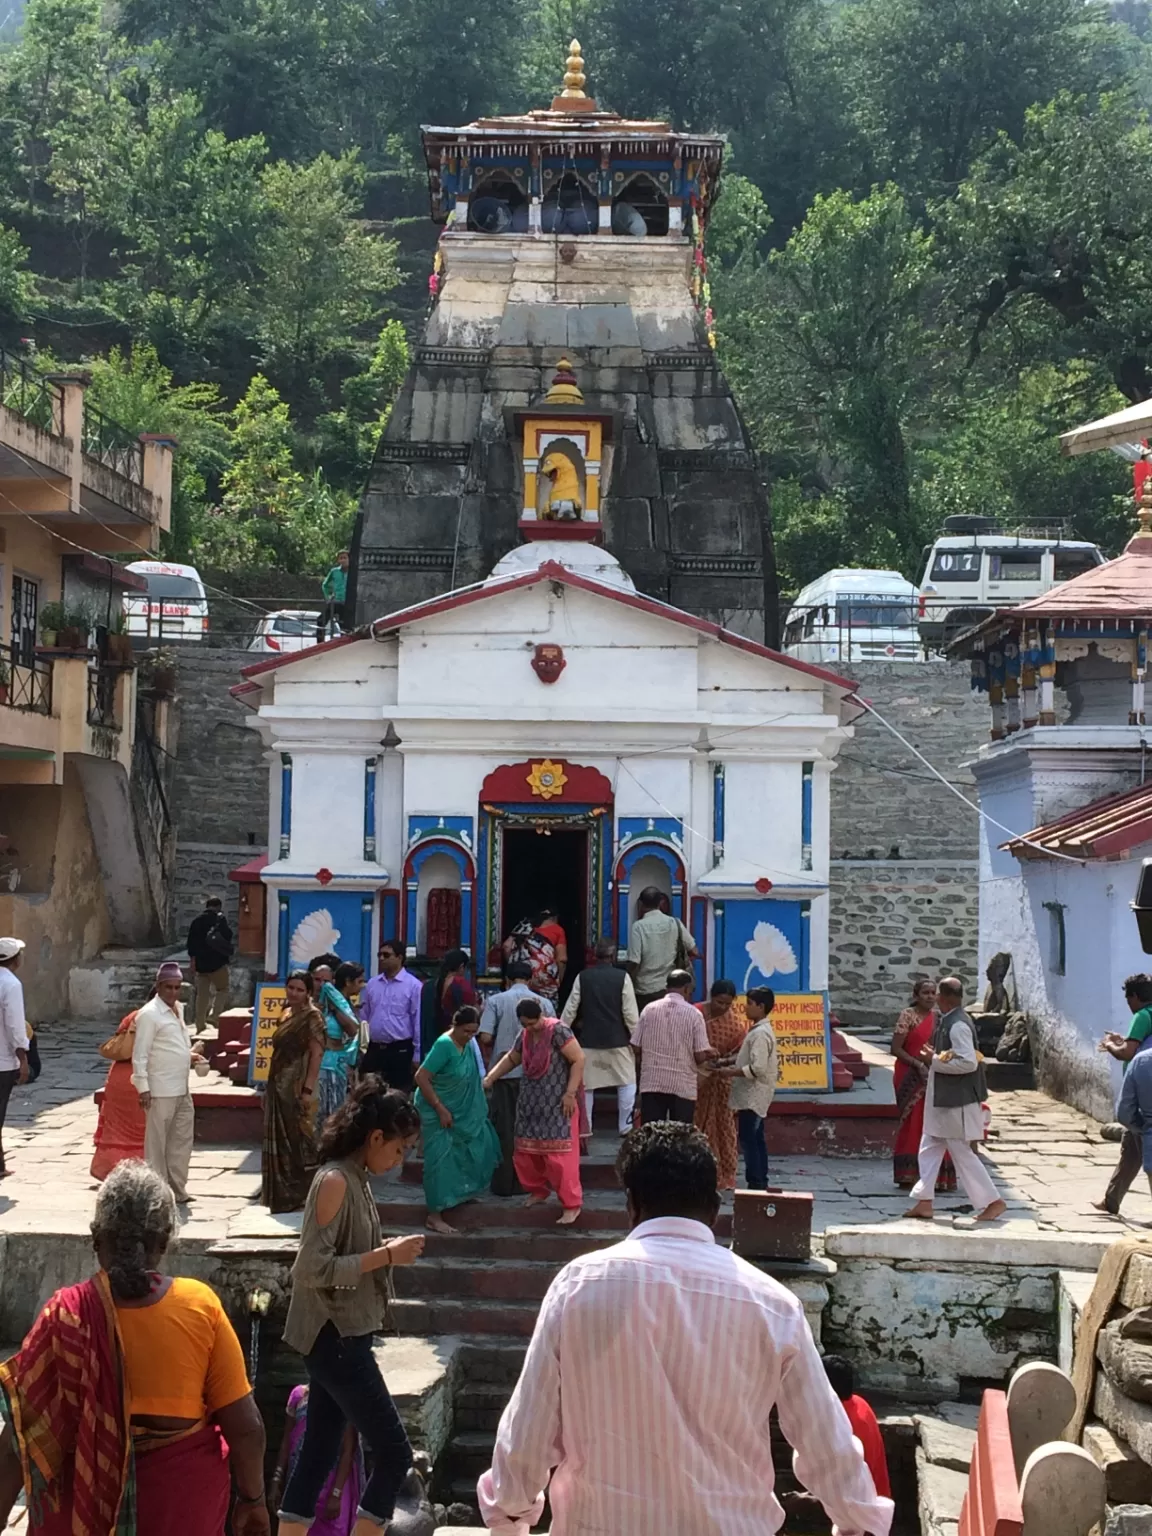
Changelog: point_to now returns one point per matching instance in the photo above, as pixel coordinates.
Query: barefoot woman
(461, 1148)
(547, 1153)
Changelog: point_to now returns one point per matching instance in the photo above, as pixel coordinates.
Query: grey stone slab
(941, 1496)
(1128, 1420)
(944, 1444)
(1128, 1520)
(1137, 1288)
(1126, 1478)
(1128, 1363)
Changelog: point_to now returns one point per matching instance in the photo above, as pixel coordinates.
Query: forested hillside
(932, 253)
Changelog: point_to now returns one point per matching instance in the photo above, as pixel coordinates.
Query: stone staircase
(117, 980)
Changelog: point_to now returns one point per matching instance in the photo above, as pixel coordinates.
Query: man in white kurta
(953, 1124)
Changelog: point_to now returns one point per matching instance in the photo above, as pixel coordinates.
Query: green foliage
(739, 222)
(325, 278)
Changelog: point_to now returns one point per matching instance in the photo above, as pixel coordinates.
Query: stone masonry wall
(904, 880)
(891, 922)
(219, 791)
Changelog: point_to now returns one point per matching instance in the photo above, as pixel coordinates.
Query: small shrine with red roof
(1065, 792)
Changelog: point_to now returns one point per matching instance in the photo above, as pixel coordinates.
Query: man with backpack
(210, 949)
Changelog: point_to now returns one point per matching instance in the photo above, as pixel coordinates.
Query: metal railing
(102, 697)
(29, 681)
(893, 630)
(151, 768)
(113, 445)
(30, 395)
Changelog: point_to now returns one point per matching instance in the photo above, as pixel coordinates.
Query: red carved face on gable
(548, 663)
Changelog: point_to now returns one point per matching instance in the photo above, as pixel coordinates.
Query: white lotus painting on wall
(315, 934)
(770, 953)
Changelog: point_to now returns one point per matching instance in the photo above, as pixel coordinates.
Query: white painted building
(549, 736)
(1067, 772)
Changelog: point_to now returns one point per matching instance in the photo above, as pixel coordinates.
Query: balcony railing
(102, 697)
(29, 681)
(29, 394)
(113, 445)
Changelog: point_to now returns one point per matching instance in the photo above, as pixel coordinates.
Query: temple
(570, 235)
(1066, 772)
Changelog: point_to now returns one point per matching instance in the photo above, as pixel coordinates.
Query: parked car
(976, 566)
(854, 615)
(176, 607)
(290, 629)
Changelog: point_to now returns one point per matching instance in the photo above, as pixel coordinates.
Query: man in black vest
(602, 1010)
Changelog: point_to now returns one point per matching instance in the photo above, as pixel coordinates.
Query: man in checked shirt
(669, 1353)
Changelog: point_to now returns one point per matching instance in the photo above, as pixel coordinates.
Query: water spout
(258, 1303)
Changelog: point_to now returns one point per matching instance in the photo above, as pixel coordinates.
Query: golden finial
(574, 76)
(1144, 508)
(565, 390)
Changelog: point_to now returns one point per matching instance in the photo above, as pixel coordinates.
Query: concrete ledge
(921, 1242)
(421, 1376)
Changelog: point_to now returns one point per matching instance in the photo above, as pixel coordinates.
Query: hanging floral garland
(436, 276)
(701, 287)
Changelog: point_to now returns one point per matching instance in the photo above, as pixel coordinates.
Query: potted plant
(117, 641)
(52, 619)
(160, 667)
(72, 634)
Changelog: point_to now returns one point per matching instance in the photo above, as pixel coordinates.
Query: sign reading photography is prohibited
(803, 1042)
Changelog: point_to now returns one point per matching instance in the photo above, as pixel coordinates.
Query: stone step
(478, 1406)
(470, 1453)
(501, 1214)
(493, 1362)
(426, 1316)
(594, 1173)
(507, 1280)
(556, 1246)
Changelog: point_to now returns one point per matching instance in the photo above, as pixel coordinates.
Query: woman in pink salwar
(546, 1152)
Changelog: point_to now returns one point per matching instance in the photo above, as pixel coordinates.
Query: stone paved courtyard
(1049, 1159)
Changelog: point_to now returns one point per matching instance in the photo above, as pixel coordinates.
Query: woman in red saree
(913, 1032)
(120, 1127)
(128, 1408)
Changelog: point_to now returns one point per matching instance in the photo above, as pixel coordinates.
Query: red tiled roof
(1104, 829)
(246, 873)
(549, 570)
(1119, 588)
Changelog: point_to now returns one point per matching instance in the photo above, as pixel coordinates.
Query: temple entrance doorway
(548, 868)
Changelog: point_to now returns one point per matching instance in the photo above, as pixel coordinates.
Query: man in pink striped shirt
(669, 1353)
(670, 1042)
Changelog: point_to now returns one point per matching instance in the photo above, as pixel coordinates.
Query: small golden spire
(565, 390)
(574, 76)
(1144, 509)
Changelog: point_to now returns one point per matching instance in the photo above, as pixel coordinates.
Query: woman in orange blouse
(128, 1403)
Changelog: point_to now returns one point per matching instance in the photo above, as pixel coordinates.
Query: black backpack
(217, 939)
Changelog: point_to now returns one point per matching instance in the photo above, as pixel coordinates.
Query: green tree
(325, 277)
(1050, 241)
(345, 440)
(828, 350)
(739, 221)
(136, 390)
(450, 62)
(932, 82)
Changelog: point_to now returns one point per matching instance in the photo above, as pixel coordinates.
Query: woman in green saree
(461, 1148)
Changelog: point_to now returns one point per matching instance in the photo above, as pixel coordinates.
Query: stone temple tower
(572, 236)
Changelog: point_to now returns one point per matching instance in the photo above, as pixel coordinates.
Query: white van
(176, 607)
(976, 567)
(854, 615)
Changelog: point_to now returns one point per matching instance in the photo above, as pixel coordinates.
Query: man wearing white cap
(13, 1030)
(161, 1066)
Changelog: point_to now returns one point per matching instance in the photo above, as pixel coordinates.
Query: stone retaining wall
(201, 870)
(894, 920)
(219, 790)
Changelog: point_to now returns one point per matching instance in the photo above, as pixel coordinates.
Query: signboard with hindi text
(270, 999)
(803, 1042)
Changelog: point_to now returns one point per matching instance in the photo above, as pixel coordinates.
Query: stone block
(1129, 1420)
(1137, 1288)
(1127, 1362)
(944, 1444)
(1128, 1520)
(1126, 1478)
(941, 1496)
(1061, 1492)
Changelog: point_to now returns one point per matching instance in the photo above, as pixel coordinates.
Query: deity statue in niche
(561, 486)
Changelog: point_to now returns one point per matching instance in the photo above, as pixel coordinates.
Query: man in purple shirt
(390, 1006)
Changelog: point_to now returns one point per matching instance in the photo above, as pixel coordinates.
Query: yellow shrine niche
(562, 446)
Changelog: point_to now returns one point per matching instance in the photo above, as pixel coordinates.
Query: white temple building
(549, 737)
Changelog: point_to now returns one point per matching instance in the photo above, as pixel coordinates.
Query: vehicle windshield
(956, 565)
(161, 584)
(875, 613)
(294, 626)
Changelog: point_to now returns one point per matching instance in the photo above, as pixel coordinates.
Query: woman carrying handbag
(120, 1128)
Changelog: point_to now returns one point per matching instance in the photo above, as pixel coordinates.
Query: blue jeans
(345, 1387)
(750, 1129)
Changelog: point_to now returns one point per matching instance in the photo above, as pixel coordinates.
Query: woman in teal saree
(461, 1148)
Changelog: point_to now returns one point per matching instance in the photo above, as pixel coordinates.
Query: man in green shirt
(335, 589)
(1138, 995)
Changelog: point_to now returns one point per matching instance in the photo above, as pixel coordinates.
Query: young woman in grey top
(340, 1299)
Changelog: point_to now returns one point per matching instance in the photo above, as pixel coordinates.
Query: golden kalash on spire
(572, 97)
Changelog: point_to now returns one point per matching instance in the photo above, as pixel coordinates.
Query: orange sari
(120, 1128)
(713, 1115)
